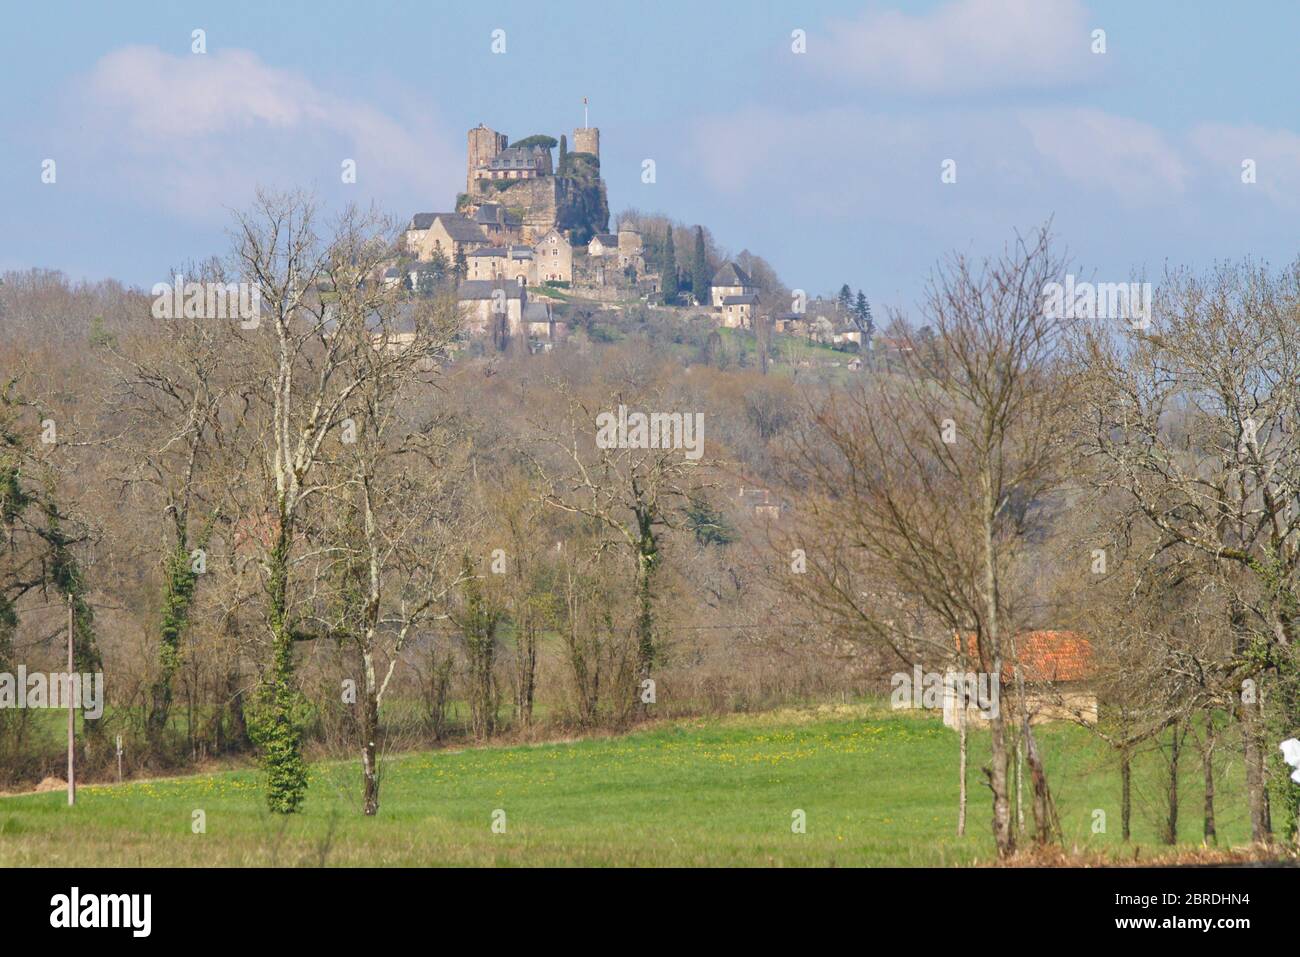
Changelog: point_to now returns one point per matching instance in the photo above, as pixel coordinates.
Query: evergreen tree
(668, 270)
(862, 316)
(564, 155)
(461, 267)
(845, 298)
(700, 269)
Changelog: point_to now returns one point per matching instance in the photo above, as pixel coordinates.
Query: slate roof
(606, 239)
(516, 157)
(520, 252)
(458, 227)
(747, 300)
(731, 275)
(472, 289)
(461, 229)
(494, 214)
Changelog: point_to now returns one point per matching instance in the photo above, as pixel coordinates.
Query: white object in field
(1291, 755)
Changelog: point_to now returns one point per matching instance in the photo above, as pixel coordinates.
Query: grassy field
(877, 788)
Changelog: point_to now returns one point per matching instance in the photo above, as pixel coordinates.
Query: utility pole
(72, 714)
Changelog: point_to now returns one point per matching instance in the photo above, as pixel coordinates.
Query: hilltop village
(530, 254)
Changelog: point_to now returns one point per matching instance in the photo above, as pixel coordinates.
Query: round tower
(586, 139)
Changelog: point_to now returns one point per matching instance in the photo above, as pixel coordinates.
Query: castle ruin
(523, 180)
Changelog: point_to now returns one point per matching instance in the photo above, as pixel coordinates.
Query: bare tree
(924, 484)
(318, 302)
(634, 492)
(1193, 421)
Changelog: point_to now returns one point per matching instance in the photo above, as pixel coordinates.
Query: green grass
(878, 788)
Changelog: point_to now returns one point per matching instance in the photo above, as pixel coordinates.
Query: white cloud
(1115, 154)
(840, 162)
(196, 134)
(962, 47)
(1276, 154)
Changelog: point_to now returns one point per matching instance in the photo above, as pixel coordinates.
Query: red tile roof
(1047, 655)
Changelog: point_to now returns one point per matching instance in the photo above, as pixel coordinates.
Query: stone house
(731, 280)
(492, 306)
(516, 162)
(500, 225)
(541, 325)
(790, 323)
(511, 263)
(601, 245)
(448, 233)
(553, 258)
(1057, 668)
(738, 311)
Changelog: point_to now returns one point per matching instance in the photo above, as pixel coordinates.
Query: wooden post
(72, 715)
(119, 759)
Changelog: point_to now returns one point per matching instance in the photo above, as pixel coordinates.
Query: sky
(828, 162)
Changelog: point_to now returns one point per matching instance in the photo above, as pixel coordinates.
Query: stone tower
(484, 144)
(586, 139)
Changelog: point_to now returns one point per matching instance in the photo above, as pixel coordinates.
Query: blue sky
(827, 162)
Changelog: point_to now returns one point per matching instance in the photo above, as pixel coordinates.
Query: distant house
(492, 306)
(541, 326)
(448, 233)
(738, 311)
(553, 258)
(603, 244)
(731, 280)
(759, 502)
(501, 262)
(500, 225)
(1057, 668)
(893, 345)
(789, 322)
(517, 162)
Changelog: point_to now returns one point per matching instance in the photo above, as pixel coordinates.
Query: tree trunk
(1175, 751)
(1020, 783)
(1126, 793)
(1261, 830)
(963, 734)
(279, 735)
(525, 669)
(647, 557)
(1211, 832)
(369, 731)
(991, 661)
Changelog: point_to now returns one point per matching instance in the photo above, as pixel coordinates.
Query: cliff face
(573, 200)
(586, 210)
